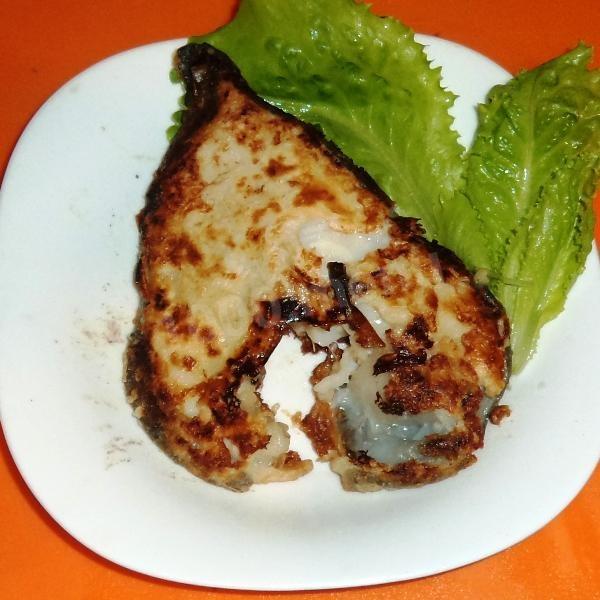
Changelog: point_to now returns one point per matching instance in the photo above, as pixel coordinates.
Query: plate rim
(360, 582)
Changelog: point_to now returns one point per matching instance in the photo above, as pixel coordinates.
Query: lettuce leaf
(531, 177)
(366, 82)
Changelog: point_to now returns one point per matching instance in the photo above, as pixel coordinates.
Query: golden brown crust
(229, 260)
(320, 426)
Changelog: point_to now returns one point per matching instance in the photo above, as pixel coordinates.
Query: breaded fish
(256, 227)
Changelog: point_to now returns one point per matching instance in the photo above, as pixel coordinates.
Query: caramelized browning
(319, 426)
(254, 222)
(499, 413)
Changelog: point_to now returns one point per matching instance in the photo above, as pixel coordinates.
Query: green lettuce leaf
(366, 82)
(531, 177)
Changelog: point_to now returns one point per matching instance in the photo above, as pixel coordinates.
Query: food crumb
(499, 413)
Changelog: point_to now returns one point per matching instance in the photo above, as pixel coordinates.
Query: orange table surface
(43, 44)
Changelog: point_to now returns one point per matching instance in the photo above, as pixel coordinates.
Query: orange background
(42, 45)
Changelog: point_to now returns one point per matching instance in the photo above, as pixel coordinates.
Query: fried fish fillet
(256, 227)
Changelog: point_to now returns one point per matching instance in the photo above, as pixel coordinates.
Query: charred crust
(291, 459)
(319, 426)
(291, 310)
(303, 278)
(471, 402)
(449, 264)
(449, 446)
(283, 311)
(179, 250)
(263, 337)
(226, 408)
(495, 310)
(407, 226)
(366, 336)
(413, 388)
(412, 473)
(138, 375)
(200, 430)
(137, 274)
(490, 311)
(213, 459)
(307, 346)
(325, 368)
(417, 330)
(339, 284)
(249, 442)
(400, 358)
(407, 392)
(160, 301)
(178, 321)
(369, 474)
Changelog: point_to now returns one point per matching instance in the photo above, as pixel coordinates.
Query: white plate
(68, 244)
